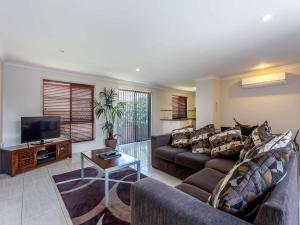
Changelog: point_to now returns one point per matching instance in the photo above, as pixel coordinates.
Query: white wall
(280, 105)
(22, 96)
(207, 102)
(1, 90)
(204, 102)
(1, 51)
(162, 99)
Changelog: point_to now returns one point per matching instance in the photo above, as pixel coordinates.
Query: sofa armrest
(158, 141)
(154, 203)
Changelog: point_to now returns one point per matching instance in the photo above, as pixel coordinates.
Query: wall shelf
(183, 119)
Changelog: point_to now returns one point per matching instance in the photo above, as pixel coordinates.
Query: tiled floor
(31, 198)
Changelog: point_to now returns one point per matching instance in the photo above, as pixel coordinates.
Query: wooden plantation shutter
(179, 107)
(74, 104)
(82, 116)
(57, 97)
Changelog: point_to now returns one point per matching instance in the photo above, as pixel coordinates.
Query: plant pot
(111, 143)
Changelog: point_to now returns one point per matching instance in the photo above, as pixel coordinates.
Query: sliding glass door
(135, 125)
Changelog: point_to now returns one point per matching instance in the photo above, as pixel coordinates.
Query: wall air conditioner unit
(264, 80)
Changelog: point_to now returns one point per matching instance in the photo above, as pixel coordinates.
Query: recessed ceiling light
(267, 17)
(137, 69)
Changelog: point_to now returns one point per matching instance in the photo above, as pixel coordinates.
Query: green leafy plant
(109, 108)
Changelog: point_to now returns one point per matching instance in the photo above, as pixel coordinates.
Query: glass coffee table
(108, 166)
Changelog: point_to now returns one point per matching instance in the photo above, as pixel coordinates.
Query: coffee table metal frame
(106, 172)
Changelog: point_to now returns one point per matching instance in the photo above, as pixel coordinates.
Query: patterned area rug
(84, 199)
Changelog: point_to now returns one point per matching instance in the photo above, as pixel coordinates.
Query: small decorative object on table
(109, 155)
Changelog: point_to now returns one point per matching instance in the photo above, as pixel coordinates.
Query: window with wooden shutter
(179, 107)
(74, 104)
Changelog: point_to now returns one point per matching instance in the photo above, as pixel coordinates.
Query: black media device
(39, 128)
(109, 155)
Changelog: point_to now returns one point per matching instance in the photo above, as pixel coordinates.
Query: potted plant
(109, 108)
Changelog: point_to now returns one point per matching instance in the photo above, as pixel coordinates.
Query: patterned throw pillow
(181, 137)
(200, 139)
(259, 136)
(248, 182)
(280, 141)
(226, 144)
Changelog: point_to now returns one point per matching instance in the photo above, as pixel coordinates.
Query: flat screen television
(39, 128)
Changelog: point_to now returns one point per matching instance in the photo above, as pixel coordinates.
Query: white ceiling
(173, 42)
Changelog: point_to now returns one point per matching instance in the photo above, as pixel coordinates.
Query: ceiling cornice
(74, 73)
(282, 68)
(70, 72)
(251, 73)
(208, 78)
(162, 87)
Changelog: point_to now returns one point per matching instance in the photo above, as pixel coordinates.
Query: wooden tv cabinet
(20, 158)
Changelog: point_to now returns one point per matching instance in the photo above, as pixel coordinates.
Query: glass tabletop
(120, 161)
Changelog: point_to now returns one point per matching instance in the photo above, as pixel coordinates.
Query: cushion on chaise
(206, 179)
(194, 191)
(222, 165)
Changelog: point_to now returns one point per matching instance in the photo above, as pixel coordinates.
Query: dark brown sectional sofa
(154, 203)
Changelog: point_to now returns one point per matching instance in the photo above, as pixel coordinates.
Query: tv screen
(39, 128)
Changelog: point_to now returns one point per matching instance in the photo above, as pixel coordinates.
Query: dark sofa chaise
(154, 203)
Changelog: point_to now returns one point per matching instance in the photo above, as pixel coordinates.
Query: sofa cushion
(248, 182)
(168, 152)
(191, 160)
(222, 165)
(181, 137)
(194, 191)
(280, 141)
(200, 139)
(282, 206)
(227, 144)
(258, 136)
(206, 179)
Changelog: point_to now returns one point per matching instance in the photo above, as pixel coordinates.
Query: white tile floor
(31, 198)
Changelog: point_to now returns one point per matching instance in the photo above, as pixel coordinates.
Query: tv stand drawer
(25, 159)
